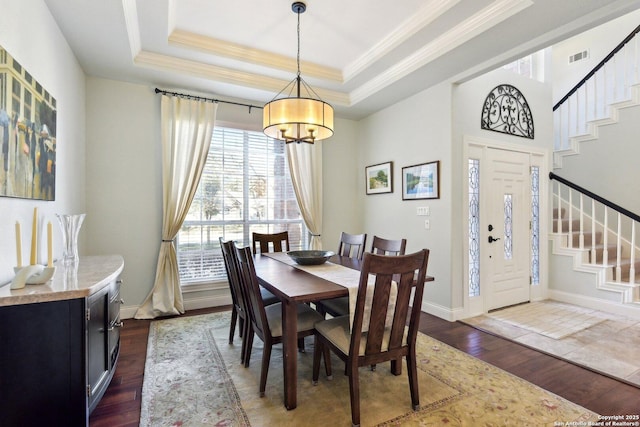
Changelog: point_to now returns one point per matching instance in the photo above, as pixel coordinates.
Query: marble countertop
(93, 273)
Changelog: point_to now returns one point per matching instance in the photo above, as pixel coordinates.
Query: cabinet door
(114, 323)
(97, 345)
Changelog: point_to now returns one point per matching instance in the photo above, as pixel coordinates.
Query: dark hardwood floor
(120, 405)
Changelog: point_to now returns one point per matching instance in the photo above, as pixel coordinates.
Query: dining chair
(239, 310)
(352, 245)
(266, 322)
(388, 247)
(340, 306)
(384, 339)
(276, 242)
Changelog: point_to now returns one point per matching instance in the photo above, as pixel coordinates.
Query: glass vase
(70, 225)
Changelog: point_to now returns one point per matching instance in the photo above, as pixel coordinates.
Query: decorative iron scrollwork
(506, 110)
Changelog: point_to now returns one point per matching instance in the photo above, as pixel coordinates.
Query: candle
(49, 245)
(34, 237)
(18, 245)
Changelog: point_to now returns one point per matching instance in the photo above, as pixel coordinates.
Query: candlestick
(18, 245)
(34, 237)
(49, 245)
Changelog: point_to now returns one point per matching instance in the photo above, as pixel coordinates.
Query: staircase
(599, 235)
(594, 233)
(596, 100)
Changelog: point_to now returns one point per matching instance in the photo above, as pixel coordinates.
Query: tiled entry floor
(604, 342)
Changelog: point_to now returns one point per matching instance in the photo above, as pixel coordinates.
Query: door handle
(491, 239)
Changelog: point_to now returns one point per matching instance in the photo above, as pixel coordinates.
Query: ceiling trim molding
(132, 25)
(228, 75)
(427, 14)
(242, 53)
(488, 17)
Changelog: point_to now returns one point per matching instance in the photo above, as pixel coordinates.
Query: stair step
(575, 225)
(587, 238)
(612, 253)
(563, 211)
(625, 267)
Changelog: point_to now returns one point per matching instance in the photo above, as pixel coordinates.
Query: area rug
(193, 378)
(549, 318)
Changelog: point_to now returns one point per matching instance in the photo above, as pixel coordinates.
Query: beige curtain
(305, 165)
(187, 126)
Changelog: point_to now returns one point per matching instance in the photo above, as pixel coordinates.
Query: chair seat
(267, 297)
(336, 306)
(307, 318)
(337, 330)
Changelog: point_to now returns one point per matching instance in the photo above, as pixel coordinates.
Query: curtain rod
(202, 98)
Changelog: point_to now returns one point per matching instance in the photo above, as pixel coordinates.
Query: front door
(507, 245)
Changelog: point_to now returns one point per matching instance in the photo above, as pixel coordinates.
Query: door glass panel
(535, 225)
(508, 226)
(474, 227)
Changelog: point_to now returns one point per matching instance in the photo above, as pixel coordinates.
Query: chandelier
(298, 118)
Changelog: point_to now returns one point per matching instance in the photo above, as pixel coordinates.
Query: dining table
(293, 286)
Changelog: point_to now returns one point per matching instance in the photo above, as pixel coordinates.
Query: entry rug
(193, 377)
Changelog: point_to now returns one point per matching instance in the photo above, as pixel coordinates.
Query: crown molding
(228, 75)
(427, 14)
(132, 24)
(239, 52)
(488, 17)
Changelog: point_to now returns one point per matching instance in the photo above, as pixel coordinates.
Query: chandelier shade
(298, 119)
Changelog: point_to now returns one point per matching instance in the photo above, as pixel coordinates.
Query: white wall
(31, 36)
(599, 41)
(416, 130)
(124, 180)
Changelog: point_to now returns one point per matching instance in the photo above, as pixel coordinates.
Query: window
(245, 187)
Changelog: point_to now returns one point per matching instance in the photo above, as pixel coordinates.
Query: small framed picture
(421, 181)
(379, 178)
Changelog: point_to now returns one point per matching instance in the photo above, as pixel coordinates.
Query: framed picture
(421, 181)
(27, 134)
(379, 178)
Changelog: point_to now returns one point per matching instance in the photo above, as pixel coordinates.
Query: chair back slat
(238, 297)
(388, 247)
(352, 245)
(276, 242)
(407, 273)
(251, 286)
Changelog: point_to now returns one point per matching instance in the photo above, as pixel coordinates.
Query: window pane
(245, 187)
(474, 227)
(508, 226)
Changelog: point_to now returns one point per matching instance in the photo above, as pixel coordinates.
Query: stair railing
(608, 82)
(600, 207)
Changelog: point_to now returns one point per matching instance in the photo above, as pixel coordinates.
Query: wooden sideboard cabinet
(59, 344)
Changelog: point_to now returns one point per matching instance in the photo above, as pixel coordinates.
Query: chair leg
(412, 372)
(354, 394)
(327, 362)
(247, 351)
(232, 328)
(241, 323)
(301, 345)
(317, 350)
(264, 371)
(244, 334)
(396, 366)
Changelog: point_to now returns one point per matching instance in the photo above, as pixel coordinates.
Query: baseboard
(442, 312)
(128, 312)
(628, 310)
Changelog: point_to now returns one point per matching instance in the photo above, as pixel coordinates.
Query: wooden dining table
(294, 286)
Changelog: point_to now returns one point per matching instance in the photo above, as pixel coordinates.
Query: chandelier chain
(298, 55)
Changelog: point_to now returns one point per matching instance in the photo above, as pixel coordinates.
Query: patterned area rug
(193, 378)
